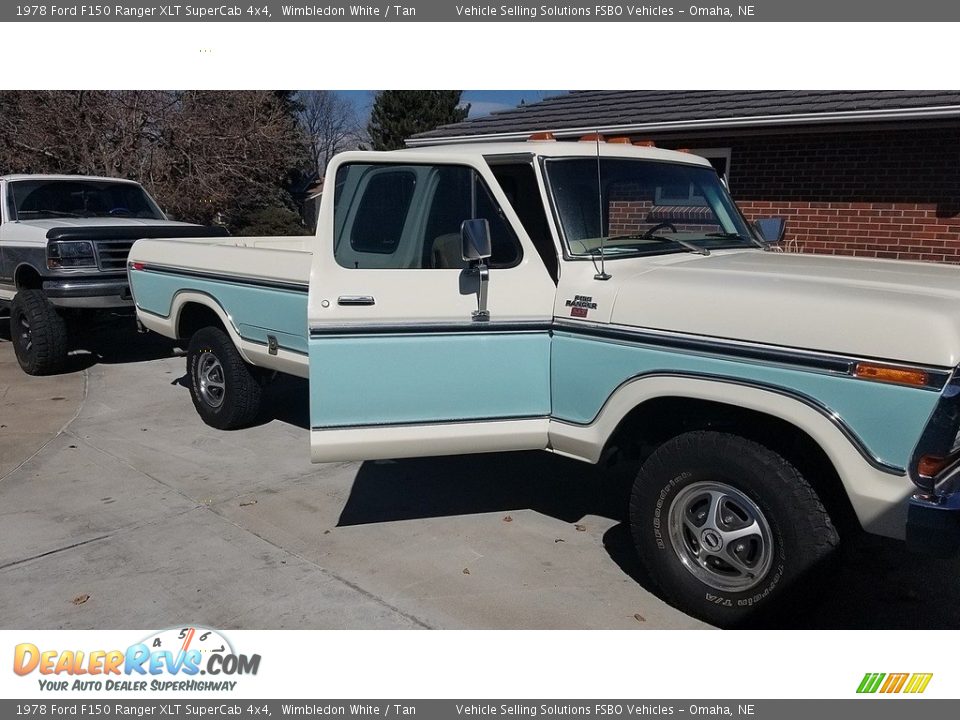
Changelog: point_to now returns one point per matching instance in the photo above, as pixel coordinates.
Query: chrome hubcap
(210, 379)
(720, 536)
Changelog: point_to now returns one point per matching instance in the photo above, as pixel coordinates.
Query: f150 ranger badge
(581, 305)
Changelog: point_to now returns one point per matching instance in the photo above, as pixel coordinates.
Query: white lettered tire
(728, 529)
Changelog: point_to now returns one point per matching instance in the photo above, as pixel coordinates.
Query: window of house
(719, 158)
(687, 194)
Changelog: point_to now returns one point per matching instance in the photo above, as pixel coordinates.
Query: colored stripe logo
(913, 683)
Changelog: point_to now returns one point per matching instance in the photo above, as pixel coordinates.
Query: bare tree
(331, 125)
(203, 154)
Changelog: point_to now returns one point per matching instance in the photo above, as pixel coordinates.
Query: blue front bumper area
(933, 525)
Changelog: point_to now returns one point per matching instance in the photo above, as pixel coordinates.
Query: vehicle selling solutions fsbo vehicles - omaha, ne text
(601, 301)
(64, 241)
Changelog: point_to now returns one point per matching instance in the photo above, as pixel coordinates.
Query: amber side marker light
(883, 373)
(930, 465)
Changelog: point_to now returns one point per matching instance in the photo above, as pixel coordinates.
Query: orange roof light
(619, 140)
(541, 136)
(884, 373)
(683, 150)
(593, 137)
(644, 143)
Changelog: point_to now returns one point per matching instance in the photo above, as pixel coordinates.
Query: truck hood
(903, 311)
(35, 231)
(51, 223)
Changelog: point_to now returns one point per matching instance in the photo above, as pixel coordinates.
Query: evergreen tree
(398, 114)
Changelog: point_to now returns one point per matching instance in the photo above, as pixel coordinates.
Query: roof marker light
(541, 136)
(619, 140)
(593, 137)
(644, 143)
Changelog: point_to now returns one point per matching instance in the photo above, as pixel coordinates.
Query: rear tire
(728, 529)
(39, 334)
(224, 389)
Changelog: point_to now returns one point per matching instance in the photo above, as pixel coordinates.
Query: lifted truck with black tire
(64, 241)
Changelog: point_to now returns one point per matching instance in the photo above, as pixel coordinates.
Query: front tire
(728, 529)
(39, 334)
(224, 389)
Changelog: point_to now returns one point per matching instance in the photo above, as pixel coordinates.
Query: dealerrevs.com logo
(172, 659)
(889, 683)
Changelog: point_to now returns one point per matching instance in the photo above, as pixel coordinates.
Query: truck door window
(382, 213)
(409, 216)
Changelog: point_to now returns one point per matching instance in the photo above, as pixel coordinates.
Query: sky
(482, 102)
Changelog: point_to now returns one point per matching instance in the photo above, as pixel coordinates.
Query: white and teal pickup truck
(601, 301)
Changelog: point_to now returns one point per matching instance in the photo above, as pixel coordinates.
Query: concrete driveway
(122, 509)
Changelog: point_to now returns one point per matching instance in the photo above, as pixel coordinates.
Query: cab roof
(556, 148)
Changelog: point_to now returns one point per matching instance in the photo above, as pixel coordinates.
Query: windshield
(642, 207)
(43, 199)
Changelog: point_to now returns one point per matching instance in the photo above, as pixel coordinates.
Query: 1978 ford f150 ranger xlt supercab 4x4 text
(596, 300)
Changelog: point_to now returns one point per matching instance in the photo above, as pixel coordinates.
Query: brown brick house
(870, 173)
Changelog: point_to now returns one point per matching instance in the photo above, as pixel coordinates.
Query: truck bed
(257, 286)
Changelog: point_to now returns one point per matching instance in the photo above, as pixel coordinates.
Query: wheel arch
(858, 486)
(192, 310)
(655, 421)
(27, 277)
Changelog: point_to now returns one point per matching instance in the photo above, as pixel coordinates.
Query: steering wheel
(126, 211)
(662, 226)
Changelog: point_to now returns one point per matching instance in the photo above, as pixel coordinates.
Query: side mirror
(475, 247)
(771, 229)
(475, 239)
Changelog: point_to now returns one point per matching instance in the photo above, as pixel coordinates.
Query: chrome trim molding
(835, 364)
(223, 277)
(813, 403)
(467, 326)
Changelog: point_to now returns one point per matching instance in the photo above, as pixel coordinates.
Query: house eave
(832, 118)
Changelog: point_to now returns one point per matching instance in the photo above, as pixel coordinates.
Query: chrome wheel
(720, 536)
(210, 379)
(23, 330)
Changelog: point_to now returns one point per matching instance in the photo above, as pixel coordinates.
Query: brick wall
(904, 231)
(888, 194)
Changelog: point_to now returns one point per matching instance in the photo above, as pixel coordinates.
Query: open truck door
(429, 330)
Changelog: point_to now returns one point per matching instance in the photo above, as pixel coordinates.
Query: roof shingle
(589, 109)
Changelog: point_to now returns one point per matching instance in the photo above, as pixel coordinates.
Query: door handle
(356, 300)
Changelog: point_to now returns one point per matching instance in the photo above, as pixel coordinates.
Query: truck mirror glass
(771, 229)
(475, 239)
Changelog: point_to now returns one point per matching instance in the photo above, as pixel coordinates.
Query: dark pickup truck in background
(64, 241)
